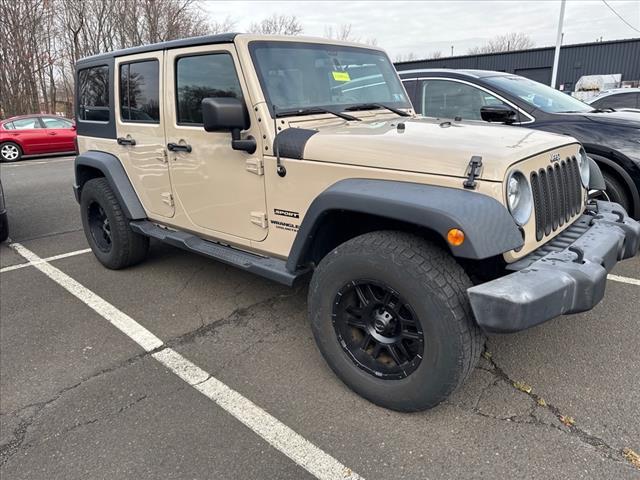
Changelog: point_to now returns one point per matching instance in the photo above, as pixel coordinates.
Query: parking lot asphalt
(81, 399)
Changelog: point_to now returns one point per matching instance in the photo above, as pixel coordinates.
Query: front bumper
(566, 275)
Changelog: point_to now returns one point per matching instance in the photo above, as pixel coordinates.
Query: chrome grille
(557, 195)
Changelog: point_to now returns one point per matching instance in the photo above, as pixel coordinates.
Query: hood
(622, 119)
(425, 145)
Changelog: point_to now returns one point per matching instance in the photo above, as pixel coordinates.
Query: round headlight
(583, 163)
(519, 197)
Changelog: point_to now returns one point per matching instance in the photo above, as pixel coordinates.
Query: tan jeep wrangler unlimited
(296, 157)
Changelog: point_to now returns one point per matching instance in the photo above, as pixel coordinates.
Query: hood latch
(473, 172)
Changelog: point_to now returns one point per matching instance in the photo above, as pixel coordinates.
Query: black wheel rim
(99, 227)
(378, 329)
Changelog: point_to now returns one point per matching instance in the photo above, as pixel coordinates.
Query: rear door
(61, 134)
(29, 134)
(140, 130)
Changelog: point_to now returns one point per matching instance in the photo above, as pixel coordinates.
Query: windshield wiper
(602, 110)
(373, 106)
(312, 110)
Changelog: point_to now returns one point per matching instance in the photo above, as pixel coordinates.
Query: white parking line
(48, 259)
(618, 278)
(615, 278)
(297, 448)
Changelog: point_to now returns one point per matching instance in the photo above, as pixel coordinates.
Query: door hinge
(167, 198)
(256, 166)
(259, 219)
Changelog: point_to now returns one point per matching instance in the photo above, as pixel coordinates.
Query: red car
(36, 135)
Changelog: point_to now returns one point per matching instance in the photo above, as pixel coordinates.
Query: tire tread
(130, 247)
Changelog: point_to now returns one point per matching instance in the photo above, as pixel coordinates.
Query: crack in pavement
(46, 235)
(12, 447)
(583, 436)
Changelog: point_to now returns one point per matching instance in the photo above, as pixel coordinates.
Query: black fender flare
(110, 167)
(488, 226)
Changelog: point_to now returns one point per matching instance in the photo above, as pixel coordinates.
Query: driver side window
(449, 99)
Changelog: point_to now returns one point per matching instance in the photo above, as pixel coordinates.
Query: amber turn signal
(455, 237)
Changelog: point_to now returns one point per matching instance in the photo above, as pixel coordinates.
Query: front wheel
(390, 314)
(107, 229)
(616, 192)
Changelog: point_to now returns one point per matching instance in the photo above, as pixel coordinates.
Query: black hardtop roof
(184, 42)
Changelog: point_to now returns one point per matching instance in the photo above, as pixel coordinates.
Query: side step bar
(271, 268)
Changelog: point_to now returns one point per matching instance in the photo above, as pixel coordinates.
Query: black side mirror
(228, 114)
(498, 114)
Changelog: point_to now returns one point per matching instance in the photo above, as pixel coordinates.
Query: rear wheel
(10, 152)
(107, 229)
(390, 314)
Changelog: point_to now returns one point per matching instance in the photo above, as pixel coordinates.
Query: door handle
(126, 141)
(53, 133)
(175, 147)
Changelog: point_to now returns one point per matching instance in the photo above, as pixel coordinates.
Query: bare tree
(343, 32)
(224, 26)
(24, 56)
(277, 25)
(43, 39)
(436, 54)
(505, 43)
(407, 57)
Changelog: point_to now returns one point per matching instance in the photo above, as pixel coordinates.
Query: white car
(621, 99)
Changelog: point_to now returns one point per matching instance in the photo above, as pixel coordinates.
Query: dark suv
(612, 139)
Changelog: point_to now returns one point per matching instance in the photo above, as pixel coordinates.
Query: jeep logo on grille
(555, 157)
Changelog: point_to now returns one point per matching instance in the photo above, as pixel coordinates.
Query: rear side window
(26, 124)
(139, 92)
(93, 90)
(203, 76)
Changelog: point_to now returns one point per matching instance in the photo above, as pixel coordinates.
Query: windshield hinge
(259, 219)
(473, 172)
(255, 165)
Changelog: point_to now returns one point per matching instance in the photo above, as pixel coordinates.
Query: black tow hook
(619, 214)
(579, 252)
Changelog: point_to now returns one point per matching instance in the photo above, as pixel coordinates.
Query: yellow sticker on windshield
(341, 76)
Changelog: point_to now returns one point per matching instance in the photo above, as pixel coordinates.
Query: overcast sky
(423, 27)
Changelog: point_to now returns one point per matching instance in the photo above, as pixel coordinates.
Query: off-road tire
(127, 247)
(433, 283)
(15, 147)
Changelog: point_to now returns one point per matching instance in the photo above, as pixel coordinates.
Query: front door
(140, 120)
(61, 134)
(220, 189)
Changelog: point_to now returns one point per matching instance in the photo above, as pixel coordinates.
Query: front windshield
(538, 95)
(303, 76)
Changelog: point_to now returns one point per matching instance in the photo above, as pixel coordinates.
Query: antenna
(276, 143)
